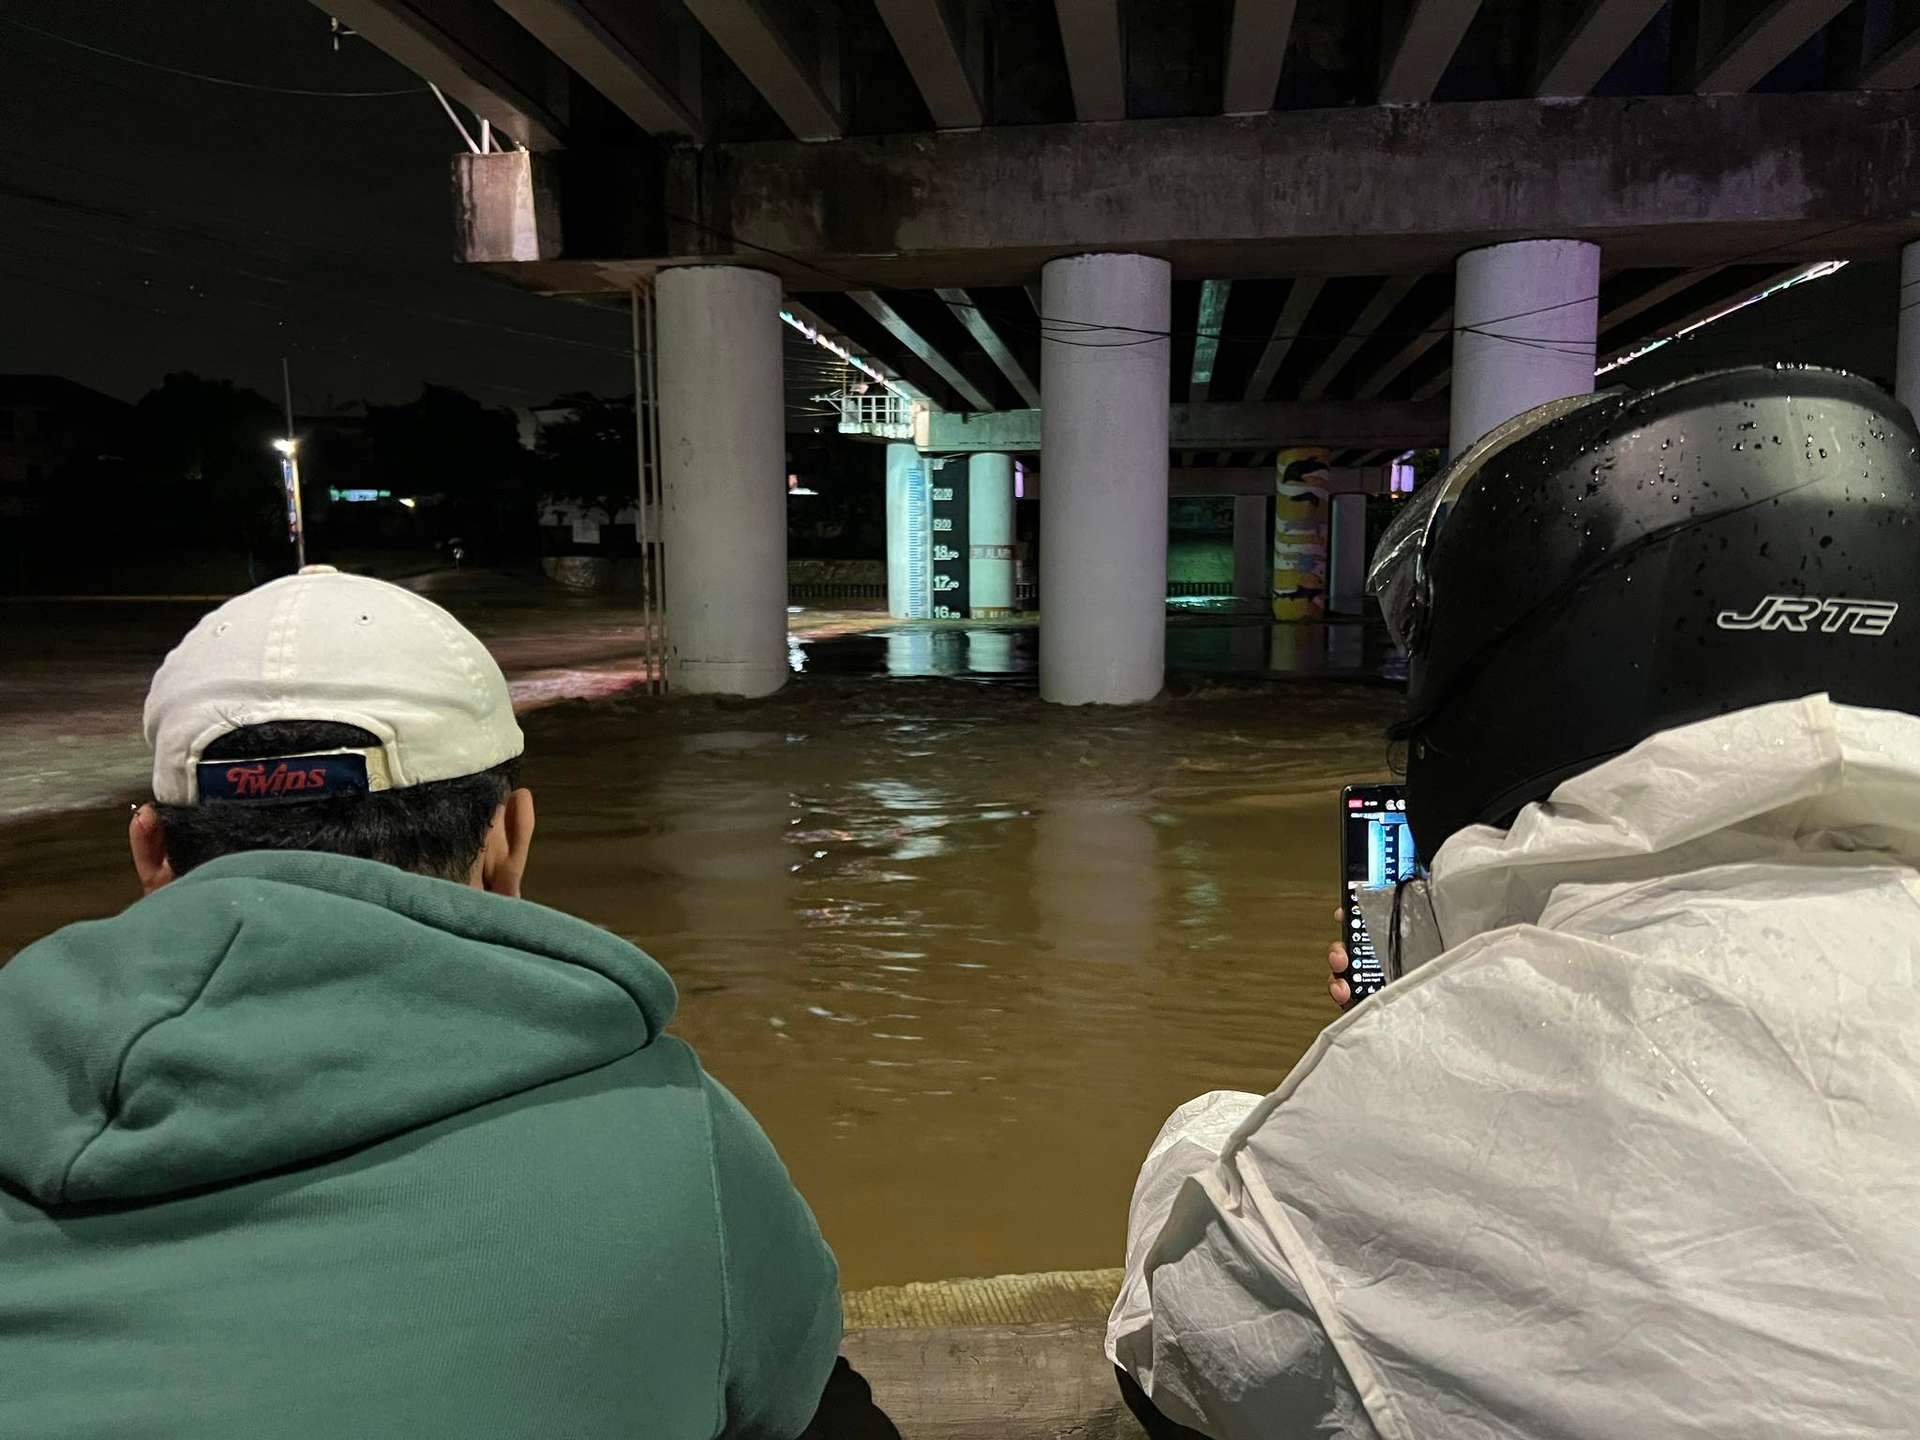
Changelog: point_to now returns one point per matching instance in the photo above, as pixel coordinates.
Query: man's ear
(503, 859)
(148, 841)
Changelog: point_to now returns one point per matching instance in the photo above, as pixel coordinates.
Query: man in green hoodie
(332, 1135)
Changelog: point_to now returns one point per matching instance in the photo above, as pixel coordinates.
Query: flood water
(961, 952)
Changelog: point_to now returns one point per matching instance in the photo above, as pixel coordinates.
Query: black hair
(433, 829)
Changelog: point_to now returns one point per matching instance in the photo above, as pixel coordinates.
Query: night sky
(150, 222)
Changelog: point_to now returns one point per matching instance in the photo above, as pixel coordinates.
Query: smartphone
(1376, 849)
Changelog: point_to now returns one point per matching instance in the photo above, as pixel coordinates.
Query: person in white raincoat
(1632, 1146)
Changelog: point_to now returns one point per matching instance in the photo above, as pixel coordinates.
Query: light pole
(290, 473)
(290, 476)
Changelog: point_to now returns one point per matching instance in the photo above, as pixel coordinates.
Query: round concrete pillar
(1103, 509)
(1534, 306)
(1252, 548)
(1906, 383)
(989, 536)
(723, 463)
(908, 535)
(1347, 555)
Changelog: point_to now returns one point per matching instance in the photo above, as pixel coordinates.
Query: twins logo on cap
(292, 777)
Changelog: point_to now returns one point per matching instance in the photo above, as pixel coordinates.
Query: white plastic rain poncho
(1637, 1156)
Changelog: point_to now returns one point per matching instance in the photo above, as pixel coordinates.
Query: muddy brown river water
(961, 952)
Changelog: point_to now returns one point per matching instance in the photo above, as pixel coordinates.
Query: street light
(290, 477)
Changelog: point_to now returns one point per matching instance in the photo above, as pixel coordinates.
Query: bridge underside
(1310, 172)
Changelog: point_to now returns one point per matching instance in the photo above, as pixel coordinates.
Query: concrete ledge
(1055, 1296)
(994, 1382)
(1010, 1357)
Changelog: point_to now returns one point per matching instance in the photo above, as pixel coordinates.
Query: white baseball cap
(325, 646)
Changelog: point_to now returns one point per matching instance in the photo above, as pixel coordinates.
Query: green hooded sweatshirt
(303, 1146)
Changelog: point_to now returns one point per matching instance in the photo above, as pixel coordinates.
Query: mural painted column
(1300, 535)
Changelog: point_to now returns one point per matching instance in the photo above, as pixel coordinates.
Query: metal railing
(875, 410)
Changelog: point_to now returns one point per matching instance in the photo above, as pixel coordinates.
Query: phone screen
(1376, 849)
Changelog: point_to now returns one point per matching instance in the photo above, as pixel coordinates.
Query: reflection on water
(959, 950)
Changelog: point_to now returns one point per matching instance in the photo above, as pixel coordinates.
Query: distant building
(47, 425)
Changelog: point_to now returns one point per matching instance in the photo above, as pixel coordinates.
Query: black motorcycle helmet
(1610, 566)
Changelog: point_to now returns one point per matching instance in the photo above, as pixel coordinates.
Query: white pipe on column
(1103, 512)
(908, 595)
(723, 461)
(989, 536)
(1906, 382)
(1252, 549)
(1535, 307)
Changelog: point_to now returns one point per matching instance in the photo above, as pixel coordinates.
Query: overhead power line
(228, 81)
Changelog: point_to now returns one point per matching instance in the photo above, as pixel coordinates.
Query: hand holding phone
(1376, 849)
(1337, 962)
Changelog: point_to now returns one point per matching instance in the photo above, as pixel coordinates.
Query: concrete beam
(1705, 311)
(1655, 295)
(1659, 181)
(1293, 315)
(808, 317)
(1191, 482)
(774, 58)
(1781, 27)
(1897, 67)
(969, 315)
(1340, 424)
(930, 39)
(510, 210)
(472, 52)
(641, 79)
(1392, 291)
(1426, 46)
(1206, 340)
(1256, 50)
(1599, 37)
(1096, 61)
(1431, 334)
(898, 327)
(1188, 480)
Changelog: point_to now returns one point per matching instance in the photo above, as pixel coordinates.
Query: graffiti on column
(951, 578)
(1300, 535)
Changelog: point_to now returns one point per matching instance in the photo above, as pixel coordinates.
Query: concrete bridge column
(1103, 510)
(990, 536)
(1906, 383)
(723, 463)
(1347, 554)
(908, 561)
(1535, 306)
(1252, 548)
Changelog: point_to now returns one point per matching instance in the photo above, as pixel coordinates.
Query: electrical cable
(1142, 336)
(1050, 329)
(1148, 336)
(208, 79)
(415, 312)
(295, 345)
